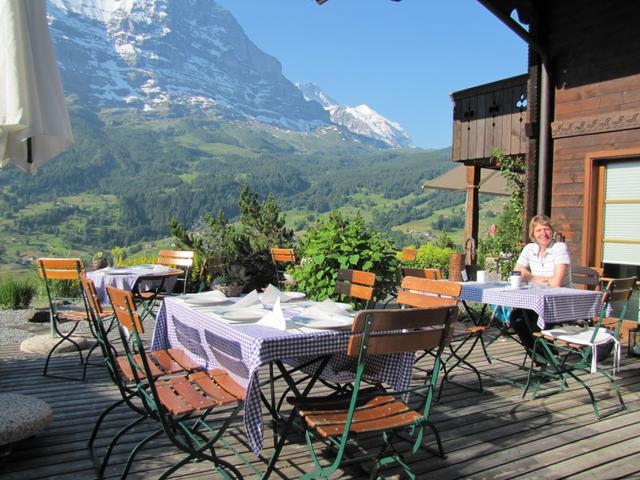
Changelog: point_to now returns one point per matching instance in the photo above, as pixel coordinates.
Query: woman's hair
(539, 220)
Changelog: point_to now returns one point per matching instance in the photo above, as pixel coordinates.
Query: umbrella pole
(29, 153)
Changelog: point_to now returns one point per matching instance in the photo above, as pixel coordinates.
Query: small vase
(230, 290)
(98, 263)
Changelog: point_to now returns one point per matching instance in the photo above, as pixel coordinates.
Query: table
(553, 305)
(242, 348)
(143, 277)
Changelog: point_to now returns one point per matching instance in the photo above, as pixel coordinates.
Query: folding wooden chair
(164, 362)
(335, 421)
(179, 404)
(282, 258)
(408, 254)
(423, 292)
(431, 273)
(356, 284)
(61, 310)
(564, 352)
(182, 259)
(585, 278)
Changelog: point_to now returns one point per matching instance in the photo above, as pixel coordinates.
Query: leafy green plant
(340, 242)
(16, 294)
(503, 240)
(433, 255)
(261, 226)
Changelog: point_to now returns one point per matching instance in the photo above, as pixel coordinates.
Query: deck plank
(493, 434)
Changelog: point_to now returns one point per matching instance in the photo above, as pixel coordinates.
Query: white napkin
(330, 307)
(247, 301)
(275, 318)
(271, 294)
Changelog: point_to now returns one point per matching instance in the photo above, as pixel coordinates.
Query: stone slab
(42, 344)
(22, 416)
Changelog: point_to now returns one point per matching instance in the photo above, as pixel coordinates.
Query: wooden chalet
(577, 125)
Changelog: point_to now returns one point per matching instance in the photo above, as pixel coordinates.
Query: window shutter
(621, 242)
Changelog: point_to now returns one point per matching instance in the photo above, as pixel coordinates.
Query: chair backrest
(283, 255)
(585, 278)
(356, 284)
(618, 290)
(91, 296)
(177, 258)
(400, 331)
(408, 254)
(425, 292)
(58, 269)
(124, 307)
(432, 273)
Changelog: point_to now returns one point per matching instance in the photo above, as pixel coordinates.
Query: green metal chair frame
(180, 404)
(65, 269)
(424, 292)
(558, 359)
(336, 420)
(165, 362)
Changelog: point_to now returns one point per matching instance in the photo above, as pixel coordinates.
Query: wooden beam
(472, 208)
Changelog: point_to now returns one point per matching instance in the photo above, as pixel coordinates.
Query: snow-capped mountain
(362, 120)
(155, 54)
(176, 55)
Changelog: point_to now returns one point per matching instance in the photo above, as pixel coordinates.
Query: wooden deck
(495, 434)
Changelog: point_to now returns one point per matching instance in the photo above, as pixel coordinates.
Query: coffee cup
(515, 280)
(481, 276)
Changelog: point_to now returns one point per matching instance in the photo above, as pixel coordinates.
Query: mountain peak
(158, 54)
(361, 120)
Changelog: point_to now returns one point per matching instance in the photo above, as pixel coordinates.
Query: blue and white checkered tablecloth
(242, 348)
(553, 305)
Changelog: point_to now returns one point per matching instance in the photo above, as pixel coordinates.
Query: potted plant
(232, 280)
(99, 261)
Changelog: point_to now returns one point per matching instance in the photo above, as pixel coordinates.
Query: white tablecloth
(125, 278)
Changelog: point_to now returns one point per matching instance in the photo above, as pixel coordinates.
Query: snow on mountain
(361, 120)
(154, 54)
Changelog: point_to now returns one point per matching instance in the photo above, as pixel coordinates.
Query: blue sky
(400, 58)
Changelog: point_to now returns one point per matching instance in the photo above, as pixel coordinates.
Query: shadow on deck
(494, 434)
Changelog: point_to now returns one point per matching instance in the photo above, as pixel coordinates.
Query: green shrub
(337, 243)
(430, 255)
(15, 294)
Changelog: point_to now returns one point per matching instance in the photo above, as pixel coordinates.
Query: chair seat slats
(193, 396)
(183, 359)
(171, 401)
(368, 418)
(208, 385)
(232, 387)
(165, 362)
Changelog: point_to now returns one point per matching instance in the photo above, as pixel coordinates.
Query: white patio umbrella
(34, 122)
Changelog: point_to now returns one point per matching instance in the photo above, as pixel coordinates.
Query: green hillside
(128, 174)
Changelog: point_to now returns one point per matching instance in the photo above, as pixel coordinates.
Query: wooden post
(472, 208)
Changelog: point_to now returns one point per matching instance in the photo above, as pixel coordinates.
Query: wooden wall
(596, 71)
(489, 116)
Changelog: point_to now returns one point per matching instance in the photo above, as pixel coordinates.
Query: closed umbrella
(34, 122)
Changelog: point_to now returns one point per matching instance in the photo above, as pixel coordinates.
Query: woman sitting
(543, 262)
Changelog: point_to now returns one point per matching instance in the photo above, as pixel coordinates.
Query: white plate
(295, 295)
(244, 315)
(118, 271)
(205, 301)
(325, 322)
